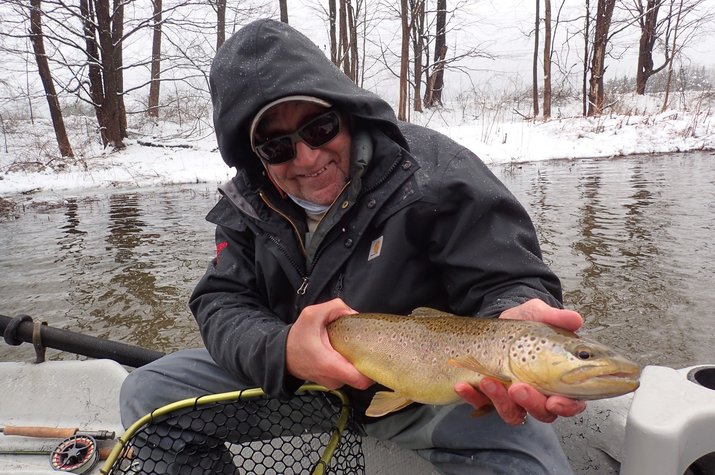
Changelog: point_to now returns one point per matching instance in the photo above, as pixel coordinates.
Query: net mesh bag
(244, 432)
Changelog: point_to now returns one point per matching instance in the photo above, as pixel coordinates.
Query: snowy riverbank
(159, 154)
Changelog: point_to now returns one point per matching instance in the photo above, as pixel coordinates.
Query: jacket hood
(267, 60)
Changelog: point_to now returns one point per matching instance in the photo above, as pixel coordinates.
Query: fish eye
(583, 354)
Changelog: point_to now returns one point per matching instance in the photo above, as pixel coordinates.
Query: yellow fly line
(121, 448)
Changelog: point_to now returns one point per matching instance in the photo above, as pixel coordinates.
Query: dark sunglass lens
(277, 150)
(321, 130)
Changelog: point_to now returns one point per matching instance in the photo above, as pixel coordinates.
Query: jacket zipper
(306, 276)
(303, 288)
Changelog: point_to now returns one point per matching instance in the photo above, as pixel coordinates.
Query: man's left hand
(513, 404)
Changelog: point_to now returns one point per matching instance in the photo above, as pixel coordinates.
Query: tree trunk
(118, 52)
(154, 86)
(598, 61)
(669, 80)
(38, 45)
(535, 63)
(404, 60)
(435, 83)
(547, 59)
(220, 23)
(344, 44)
(352, 33)
(333, 35)
(283, 5)
(96, 85)
(418, 32)
(111, 109)
(584, 77)
(648, 21)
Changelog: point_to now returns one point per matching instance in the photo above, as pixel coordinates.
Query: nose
(304, 154)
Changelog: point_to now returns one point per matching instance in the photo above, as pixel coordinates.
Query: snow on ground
(160, 154)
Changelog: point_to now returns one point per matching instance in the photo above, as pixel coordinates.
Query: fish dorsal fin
(423, 312)
(386, 402)
(470, 362)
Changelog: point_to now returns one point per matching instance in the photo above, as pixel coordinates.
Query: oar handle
(39, 431)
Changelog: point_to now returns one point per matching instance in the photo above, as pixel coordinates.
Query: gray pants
(446, 436)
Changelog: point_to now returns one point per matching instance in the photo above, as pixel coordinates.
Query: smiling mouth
(317, 173)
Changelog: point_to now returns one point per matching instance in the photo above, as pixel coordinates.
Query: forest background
(85, 79)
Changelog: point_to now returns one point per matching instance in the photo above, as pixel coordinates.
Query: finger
(343, 370)
(532, 401)
(472, 395)
(565, 407)
(540, 311)
(337, 308)
(563, 318)
(510, 412)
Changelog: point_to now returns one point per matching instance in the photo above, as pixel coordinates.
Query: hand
(309, 355)
(513, 404)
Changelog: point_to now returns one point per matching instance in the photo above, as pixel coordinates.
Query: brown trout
(422, 356)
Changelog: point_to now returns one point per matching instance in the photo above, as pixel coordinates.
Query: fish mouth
(599, 383)
(598, 375)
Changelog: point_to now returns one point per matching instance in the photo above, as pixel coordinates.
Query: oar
(80, 344)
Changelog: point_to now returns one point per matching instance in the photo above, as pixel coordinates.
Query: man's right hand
(311, 357)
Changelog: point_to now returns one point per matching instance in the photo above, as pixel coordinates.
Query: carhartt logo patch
(375, 249)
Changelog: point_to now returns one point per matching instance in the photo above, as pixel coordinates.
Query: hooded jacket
(422, 223)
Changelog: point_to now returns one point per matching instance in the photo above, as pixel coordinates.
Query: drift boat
(666, 427)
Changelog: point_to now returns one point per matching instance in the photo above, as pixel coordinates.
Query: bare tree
(604, 15)
(668, 82)
(417, 29)
(586, 55)
(155, 84)
(648, 21)
(108, 85)
(404, 60)
(435, 82)
(547, 59)
(221, 22)
(43, 67)
(332, 31)
(535, 62)
(683, 20)
(283, 6)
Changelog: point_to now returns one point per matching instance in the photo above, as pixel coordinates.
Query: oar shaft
(85, 345)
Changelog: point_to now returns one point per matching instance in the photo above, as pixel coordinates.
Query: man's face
(316, 174)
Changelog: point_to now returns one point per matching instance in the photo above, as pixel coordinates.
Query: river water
(633, 240)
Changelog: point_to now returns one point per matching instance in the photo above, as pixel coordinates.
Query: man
(337, 207)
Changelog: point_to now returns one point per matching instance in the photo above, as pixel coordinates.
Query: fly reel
(76, 454)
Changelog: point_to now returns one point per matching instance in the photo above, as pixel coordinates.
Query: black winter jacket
(423, 223)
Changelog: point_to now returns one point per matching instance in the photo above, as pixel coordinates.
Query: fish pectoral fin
(470, 362)
(385, 402)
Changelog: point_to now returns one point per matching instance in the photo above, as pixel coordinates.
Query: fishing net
(244, 432)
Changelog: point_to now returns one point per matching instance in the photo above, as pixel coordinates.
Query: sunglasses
(316, 133)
